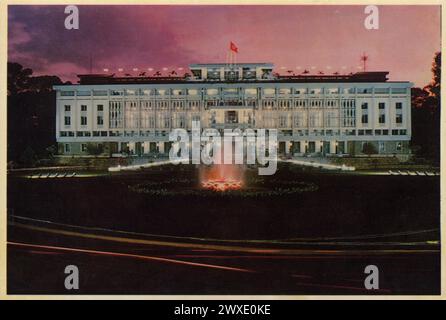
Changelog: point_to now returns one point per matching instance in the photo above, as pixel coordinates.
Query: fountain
(221, 177)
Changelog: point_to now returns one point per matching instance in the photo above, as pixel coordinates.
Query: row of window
(84, 120)
(84, 107)
(369, 132)
(382, 106)
(382, 113)
(248, 91)
(327, 132)
(310, 148)
(382, 119)
(265, 103)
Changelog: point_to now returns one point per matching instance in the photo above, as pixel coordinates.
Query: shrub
(369, 148)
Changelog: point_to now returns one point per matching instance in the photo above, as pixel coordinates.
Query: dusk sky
(327, 38)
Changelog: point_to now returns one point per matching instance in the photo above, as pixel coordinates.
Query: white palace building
(315, 114)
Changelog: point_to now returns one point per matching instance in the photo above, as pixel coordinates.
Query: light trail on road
(128, 255)
(288, 241)
(227, 248)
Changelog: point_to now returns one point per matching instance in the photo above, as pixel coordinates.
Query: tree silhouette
(31, 113)
(18, 78)
(426, 104)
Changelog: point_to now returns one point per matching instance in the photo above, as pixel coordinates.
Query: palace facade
(319, 114)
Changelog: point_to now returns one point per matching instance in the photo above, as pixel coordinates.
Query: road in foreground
(122, 264)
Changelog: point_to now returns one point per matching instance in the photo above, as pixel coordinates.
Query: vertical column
(131, 147)
(407, 110)
(332, 146)
(303, 145)
(287, 147)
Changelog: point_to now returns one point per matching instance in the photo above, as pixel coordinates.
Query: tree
(28, 157)
(94, 149)
(426, 115)
(18, 78)
(31, 112)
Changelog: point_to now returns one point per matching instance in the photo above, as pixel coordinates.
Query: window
(67, 93)
(83, 147)
(381, 90)
(84, 93)
(395, 132)
(382, 147)
(365, 119)
(399, 113)
(378, 132)
(399, 90)
(83, 107)
(211, 92)
(67, 121)
(100, 92)
(282, 121)
(83, 121)
(381, 106)
(100, 107)
(67, 148)
(364, 90)
(284, 91)
(100, 120)
(364, 106)
(399, 146)
(67, 107)
(269, 91)
(382, 118)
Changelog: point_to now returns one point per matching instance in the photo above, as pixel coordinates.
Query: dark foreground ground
(315, 242)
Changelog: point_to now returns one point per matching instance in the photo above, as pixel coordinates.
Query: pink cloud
(175, 36)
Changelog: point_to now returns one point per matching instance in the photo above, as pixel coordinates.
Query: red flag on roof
(233, 47)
